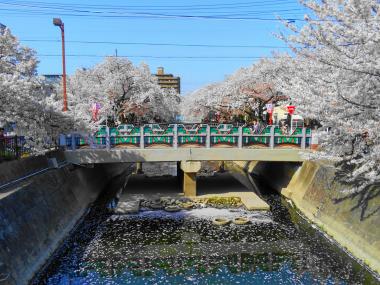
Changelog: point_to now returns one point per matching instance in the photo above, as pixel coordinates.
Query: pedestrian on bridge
(255, 127)
(284, 128)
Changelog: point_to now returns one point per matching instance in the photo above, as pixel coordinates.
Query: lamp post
(58, 22)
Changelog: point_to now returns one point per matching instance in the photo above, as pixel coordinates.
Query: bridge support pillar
(190, 169)
(190, 184)
(179, 174)
(139, 169)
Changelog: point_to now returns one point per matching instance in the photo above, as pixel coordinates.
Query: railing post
(142, 137)
(303, 139)
(73, 144)
(175, 136)
(271, 140)
(314, 140)
(208, 137)
(108, 142)
(91, 141)
(17, 154)
(62, 141)
(240, 138)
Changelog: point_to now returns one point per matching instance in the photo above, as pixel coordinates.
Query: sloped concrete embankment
(353, 222)
(38, 212)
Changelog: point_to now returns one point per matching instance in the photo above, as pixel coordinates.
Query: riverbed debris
(220, 211)
(241, 221)
(175, 204)
(130, 207)
(186, 203)
(172, 208)
(220, 221)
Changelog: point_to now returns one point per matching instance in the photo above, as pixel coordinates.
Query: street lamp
(58, 22)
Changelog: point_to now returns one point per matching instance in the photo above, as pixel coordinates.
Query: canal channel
(157, 247)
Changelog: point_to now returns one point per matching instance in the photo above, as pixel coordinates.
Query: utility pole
(58, 22)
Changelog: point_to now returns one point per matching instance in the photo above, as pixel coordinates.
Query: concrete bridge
(177, 142)
(187, 145)
(90, 156)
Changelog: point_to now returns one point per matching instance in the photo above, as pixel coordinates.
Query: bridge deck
(84, 156)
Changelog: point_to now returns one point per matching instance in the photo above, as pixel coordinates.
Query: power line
(157, 57)
(130, 14)
(233, 17)
(150, 7)
(157, 16)
(153, 56)
(85, 12)
(156, 44)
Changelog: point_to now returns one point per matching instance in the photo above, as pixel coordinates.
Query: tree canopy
(123, 91)
(23, 94)
(332, 75)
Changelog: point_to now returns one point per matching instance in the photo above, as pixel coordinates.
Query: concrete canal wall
(38, 212)
(312, 189)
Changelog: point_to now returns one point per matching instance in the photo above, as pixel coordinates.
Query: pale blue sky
(161, 21)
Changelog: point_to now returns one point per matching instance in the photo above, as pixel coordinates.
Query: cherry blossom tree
(23, 95)
(332, 75)
(118, 86)
(335, 77)
(245, 92)
(122, 90)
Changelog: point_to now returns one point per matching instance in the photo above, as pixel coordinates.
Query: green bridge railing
(179, 135)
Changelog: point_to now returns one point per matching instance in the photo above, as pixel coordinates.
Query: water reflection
(145, 250)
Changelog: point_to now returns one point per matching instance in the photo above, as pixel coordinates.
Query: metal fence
(12, 148)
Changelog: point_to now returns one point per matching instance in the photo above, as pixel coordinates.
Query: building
(53, 82)
(53, 78)
(281, 113)
(168, 80)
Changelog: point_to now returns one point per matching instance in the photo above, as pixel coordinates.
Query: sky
(202, 42)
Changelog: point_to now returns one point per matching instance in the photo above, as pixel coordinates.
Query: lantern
(291, 109)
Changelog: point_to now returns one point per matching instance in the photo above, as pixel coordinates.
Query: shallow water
(156, 248)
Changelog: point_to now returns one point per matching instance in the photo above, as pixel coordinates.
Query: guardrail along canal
(157, 247)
